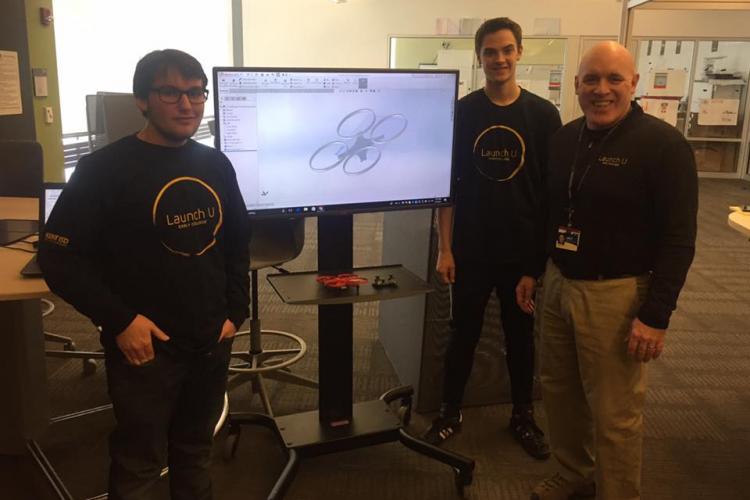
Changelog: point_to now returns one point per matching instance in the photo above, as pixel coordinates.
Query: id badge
(568, 238)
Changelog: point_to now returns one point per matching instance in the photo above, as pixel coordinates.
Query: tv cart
(339, 424)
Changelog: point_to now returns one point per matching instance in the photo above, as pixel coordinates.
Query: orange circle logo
(499, 153)
(187, 215)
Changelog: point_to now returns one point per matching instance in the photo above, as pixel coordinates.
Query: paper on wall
(719, 112)
(10, 84)
(446, 26)
(663, 109)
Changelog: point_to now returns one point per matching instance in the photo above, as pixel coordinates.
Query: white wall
(355, 34)
(670, 59)
(689, 24)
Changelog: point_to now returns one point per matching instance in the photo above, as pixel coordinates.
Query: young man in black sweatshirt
(149, 240)
(623, 200)
(492, 237)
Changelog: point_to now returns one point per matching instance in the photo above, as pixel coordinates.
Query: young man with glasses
(491, 239)
(149, 240)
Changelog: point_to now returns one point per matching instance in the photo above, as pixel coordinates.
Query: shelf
(301, 288)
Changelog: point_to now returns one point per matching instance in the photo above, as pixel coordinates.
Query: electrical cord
(24, 239)
(50, 307)
(19, 249)
(281, 270)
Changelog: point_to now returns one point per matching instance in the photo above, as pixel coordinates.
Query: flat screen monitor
(13, 230)
(316, 141)
(52, 191)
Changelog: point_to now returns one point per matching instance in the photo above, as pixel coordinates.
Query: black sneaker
(529, 435)
(442, 428)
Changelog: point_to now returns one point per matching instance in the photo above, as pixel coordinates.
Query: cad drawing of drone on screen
(304, 140)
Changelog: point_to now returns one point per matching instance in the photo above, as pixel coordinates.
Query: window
(701, 90)
(99, 43)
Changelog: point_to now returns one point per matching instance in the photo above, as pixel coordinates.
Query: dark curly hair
(157, 63)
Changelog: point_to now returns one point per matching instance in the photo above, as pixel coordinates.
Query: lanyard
(572, 194)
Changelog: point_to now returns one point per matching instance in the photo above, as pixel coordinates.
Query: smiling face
(605, 84)
(171, 124)
(499, 55)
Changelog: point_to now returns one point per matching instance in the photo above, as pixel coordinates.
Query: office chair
(273, 243)
(21, 175)
(111, 116)
(21, 169)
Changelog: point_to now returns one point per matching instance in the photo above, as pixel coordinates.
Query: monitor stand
(339, 424)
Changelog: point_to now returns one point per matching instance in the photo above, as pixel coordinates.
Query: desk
(12, 285)
(23, 380)
(740, 221)
(23, 384)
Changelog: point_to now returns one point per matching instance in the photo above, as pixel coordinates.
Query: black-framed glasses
(172, 95)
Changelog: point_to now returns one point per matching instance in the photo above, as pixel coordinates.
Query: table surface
(740, 221)
(13, 286)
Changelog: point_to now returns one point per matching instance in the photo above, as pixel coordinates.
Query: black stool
(273, 243)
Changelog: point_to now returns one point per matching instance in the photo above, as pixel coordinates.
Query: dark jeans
(166, 412)
(471, 291)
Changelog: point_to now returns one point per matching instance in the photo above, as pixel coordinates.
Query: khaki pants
(593, 390)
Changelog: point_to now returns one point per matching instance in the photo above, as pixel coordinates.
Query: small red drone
(341, 281)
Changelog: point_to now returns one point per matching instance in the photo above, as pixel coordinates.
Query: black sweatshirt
(636, 207)
(500, 164)
(151, 230)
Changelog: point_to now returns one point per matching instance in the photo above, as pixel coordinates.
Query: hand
(135, 340)
(525, 294)
(446, 267)
(645, 342)
(227, 330)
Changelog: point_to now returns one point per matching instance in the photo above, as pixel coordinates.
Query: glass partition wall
(700, 87)
(540, 69)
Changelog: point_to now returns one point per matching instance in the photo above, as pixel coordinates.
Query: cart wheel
(231, 442)
(89, 366)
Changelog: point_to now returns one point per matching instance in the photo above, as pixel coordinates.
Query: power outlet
(49, 116)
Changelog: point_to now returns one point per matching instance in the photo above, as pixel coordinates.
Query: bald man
(622, 192)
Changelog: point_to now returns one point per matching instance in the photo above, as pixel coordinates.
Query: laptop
(51, 192)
